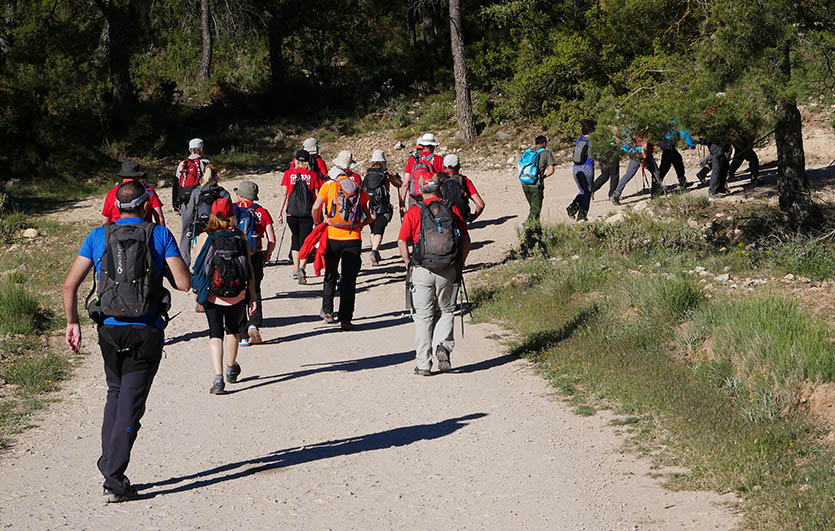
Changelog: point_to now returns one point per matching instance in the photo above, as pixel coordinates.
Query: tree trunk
(428, 31)
(119, 51)
(275, 38)
(463, 99)
(792, 184)
(411, 22)
(206, 59)
(6, 25)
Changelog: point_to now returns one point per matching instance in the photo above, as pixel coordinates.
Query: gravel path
(331, 430)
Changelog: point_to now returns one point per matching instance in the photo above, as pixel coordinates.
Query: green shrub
(666, 300)
(11, 224)
(806, 258)
(20, 312)
(37, 374)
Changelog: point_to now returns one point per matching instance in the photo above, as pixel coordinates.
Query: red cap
(222, 208)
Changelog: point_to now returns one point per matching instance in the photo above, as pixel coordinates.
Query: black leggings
(300, 228)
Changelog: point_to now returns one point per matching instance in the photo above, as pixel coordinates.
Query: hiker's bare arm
(105, 220)
(182, 278)
(479, 206)
(404, 189)
(465, 248)
(283, 205)
(404, 252)
(395, 179)
(69, 294)
(549, 171)
(253, 302)
(270, 232)
(370, 215)
(160, 217)
(316, 211)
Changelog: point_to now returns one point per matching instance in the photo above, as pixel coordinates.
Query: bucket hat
(344, 160)
(311, 145)
(130, 169)
(195, 143)
(378, 156)
(247, 190)
(428, 139)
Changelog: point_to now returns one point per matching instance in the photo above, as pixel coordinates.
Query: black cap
(302, 155)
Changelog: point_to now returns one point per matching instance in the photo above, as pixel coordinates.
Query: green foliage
(37, 374)
(20, 312)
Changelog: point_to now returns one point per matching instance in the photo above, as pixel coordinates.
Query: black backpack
(227, 264)
(128, 284)
(374, 185)
(455, 194)
(437, 247)
(203, 208)
(300, 202)
(581, 151)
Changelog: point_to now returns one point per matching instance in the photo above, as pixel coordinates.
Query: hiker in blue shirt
(583, 172)
(670, 155)
(130, 304)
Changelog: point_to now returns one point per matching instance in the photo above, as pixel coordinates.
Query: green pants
(534, 194)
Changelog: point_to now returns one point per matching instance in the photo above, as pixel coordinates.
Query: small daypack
(581, 150)
(247, 218)
(455, 194)
(374, 185)
(437, 246)
(128, 286)
(188, 179)
(300, 202)
(528, 166)
(345, 211)
(422, 172)
(227, 264)
(203, 208)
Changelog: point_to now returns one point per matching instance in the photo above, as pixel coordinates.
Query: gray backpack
(128, 284)
(437, 248)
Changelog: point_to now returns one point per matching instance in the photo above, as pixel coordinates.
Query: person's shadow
(305, 454)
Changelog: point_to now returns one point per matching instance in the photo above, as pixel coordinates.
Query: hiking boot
(111, 497)
(328, 317)
(302, 277)
(199, 308)
(572, 210)
(254, 336)
(423, 372)
(346, 326)
(615, 200)
(375, 258)
(233, 372)
(218, 387)
(442, 353)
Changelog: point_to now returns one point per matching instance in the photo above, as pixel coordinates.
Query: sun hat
(335, 172)
(451, 161)
(428, 139)
(348, 186)
(222, 208)
(247, 190)
(431, 187)
(344, 160)
(195, 143)
(311, 145)
(130, 169)
(303, 155)
(378, 156)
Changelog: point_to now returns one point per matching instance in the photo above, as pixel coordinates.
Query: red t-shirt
(292, 176)
(410, 226)
(262, 219)
(111, 211)
(320, 164)
(437, 162)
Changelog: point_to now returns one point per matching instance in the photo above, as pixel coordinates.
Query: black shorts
(378, 226)
(229, 318)
(300, 228)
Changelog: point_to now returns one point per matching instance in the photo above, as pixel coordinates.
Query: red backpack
(189, 174)
(422, 172)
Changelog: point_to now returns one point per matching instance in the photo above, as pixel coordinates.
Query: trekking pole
(281, 241)
(410, 306)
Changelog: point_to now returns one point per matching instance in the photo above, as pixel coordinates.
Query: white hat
(344, 160)
(195, 143)
(428, 139)
(378, 156)
(334, 173)
(311, 145)
(451, 161)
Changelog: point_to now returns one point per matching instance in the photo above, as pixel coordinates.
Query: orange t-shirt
(328, 192)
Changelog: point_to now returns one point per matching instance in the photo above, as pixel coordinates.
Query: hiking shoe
(254, 336)
(423, 372)
(682, 184)
(244, 342)
(375, 258)
(615, 200)
(199, 308)
(218, 387)
(442, 353)
(233, 372)
(111, 497)
(702, 175)
(302, 277)
(572, 210)
(346, 326)
(328, 317)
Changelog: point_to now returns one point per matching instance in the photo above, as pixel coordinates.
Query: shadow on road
(306, 454)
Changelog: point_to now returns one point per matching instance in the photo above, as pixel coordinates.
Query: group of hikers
(725, 157)
(223, 248)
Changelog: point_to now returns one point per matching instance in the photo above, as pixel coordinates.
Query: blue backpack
(246, 223)
(529, 166)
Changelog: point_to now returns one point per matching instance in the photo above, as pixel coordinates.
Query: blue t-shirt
(163, 246)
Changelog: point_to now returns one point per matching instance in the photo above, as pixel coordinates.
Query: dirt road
(331, 430)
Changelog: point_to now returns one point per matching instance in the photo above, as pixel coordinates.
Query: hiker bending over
(377, 183)
(583, 172)
(346, 211)
(224, 285)
(130, 308)
(195, 214)
(640, 156)
(188, 175)
(255, 222)
(297, 203)
(420, 168)
(441, 243)
(536, 164)
(152, 208)
(459, 190)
